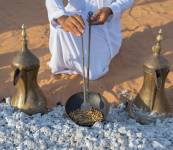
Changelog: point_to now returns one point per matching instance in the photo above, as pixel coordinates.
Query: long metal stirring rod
(85, 105)
(89, 49)
(83, 70)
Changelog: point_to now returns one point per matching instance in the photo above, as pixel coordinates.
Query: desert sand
(139, 26)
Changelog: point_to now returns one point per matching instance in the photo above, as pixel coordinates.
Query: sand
(139, 27)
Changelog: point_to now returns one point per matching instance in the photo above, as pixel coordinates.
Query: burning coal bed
(55, 131)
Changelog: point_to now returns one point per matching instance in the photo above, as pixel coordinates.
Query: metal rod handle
(89, 47)
(83, 69)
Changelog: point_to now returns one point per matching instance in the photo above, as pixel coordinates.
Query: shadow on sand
(125, 68)
(145, 2)
(15, 13)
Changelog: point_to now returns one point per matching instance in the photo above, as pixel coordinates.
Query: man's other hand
(73, 24)
(101, 16)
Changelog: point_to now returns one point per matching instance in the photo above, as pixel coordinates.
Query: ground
(139, 26)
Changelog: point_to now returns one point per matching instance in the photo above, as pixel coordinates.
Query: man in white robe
(68, 23)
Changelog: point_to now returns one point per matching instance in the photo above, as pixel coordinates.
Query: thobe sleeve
(119, 6)
(55, 9)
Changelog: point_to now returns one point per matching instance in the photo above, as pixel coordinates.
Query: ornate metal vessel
(28, 97)
(152, 96)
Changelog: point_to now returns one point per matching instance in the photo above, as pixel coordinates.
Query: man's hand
(73, 24)
(101, 16)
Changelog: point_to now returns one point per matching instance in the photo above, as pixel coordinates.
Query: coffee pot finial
(24, 38)
(157, 47)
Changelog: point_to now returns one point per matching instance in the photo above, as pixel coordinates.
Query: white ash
(55, 131)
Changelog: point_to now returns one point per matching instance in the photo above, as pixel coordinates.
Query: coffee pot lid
(25, 59)
(157, 61)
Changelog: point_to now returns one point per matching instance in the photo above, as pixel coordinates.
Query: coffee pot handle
(159, 76)
(17, 75)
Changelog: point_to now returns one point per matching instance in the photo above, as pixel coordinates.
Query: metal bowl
(94, 99)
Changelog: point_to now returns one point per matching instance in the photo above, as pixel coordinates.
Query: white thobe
(65, 48)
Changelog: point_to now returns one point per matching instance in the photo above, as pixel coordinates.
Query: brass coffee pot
(152, 96)
(28, 97)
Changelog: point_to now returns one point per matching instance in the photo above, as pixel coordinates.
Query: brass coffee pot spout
(152, 96)
(28, 97)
